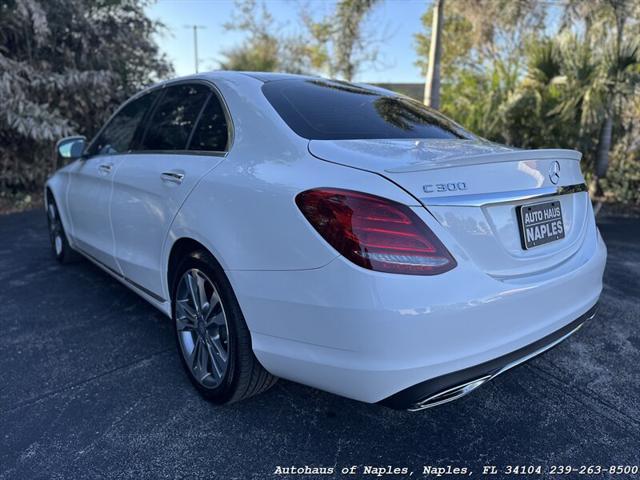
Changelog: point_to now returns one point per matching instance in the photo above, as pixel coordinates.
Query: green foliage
(64, 66)
(347, 36)
(261, 56)
(337, 43)
(478, 32)
(334, 44)
(509, 79)
(623, 181)
(456, 38)
(262, 50)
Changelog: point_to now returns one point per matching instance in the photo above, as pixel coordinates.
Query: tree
(265, 48)
(334, 44)
(507, 77)
(533, 115)
(338, 44)
(349, 41)
(64, 67)
(478, 32)
(456, 39)
(616, 66)
(622, 183)
(483, 45)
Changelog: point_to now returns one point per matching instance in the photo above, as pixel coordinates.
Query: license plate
(540, 223)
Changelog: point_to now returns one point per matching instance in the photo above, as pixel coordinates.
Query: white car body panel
(488, 233)
(314, 316)
(406, 155)
(367, 337)
(143, 208)
(88, 200)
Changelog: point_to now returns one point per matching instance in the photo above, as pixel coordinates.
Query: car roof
(261, 76)
(272, 76)
(264, 77)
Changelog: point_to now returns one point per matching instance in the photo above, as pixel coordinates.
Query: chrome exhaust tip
(453, 393)
(450, 394)
(438, 390)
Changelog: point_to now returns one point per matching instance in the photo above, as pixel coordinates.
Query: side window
(211, 133)
(119, 133)
(174, 117)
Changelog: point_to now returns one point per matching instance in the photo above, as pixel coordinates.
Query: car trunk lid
(474, 188)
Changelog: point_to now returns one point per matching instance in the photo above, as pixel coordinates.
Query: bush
(64, 66)
(623, 181)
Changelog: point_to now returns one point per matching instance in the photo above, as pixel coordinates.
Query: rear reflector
(374, 232)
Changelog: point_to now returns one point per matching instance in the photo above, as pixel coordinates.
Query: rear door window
(174, 117)
(212, 132)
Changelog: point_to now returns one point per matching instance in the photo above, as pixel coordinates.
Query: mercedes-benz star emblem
(554, 173)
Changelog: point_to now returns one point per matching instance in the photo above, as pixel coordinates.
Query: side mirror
(71, 148)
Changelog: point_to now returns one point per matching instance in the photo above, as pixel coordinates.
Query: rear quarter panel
(244, 210)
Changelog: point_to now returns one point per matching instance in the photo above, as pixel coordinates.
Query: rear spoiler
(492, 157)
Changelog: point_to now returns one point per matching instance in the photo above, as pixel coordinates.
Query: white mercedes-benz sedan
(334, 234)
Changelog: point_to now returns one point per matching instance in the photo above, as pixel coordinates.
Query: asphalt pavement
(91, 387)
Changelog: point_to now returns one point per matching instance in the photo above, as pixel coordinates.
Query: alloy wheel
(202, 328)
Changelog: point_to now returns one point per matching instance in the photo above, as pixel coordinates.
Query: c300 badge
(444, 187)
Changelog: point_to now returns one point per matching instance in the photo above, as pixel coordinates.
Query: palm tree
(432, 83)
(615, 72)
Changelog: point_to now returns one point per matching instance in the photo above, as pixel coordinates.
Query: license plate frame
(538, 223)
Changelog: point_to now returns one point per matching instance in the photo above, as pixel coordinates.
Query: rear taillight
(374, 232)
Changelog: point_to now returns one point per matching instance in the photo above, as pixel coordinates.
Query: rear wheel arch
(60, 246)
(48, 196)
(51, 197)
(179, 250)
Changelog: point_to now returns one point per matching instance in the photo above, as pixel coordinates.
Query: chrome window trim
(199, 80)
(482, 199)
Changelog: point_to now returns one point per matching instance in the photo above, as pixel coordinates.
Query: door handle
(105, 168)
(172, 177)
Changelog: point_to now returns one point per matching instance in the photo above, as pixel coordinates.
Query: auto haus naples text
(543, 223)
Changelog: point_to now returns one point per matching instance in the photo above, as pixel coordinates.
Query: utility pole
(432, 83)
(195, 42)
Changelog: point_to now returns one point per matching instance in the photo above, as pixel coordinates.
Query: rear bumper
(369, 335)
(452, 386)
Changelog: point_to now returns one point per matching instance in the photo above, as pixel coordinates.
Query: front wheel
(211, 334)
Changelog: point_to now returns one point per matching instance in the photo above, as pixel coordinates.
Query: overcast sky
(399, 19)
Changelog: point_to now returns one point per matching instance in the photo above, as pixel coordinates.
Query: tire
(60, 247)
(212, 331)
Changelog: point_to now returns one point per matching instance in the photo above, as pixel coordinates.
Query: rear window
(332, 110)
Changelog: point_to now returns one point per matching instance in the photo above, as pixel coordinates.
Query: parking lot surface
(91, 387)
